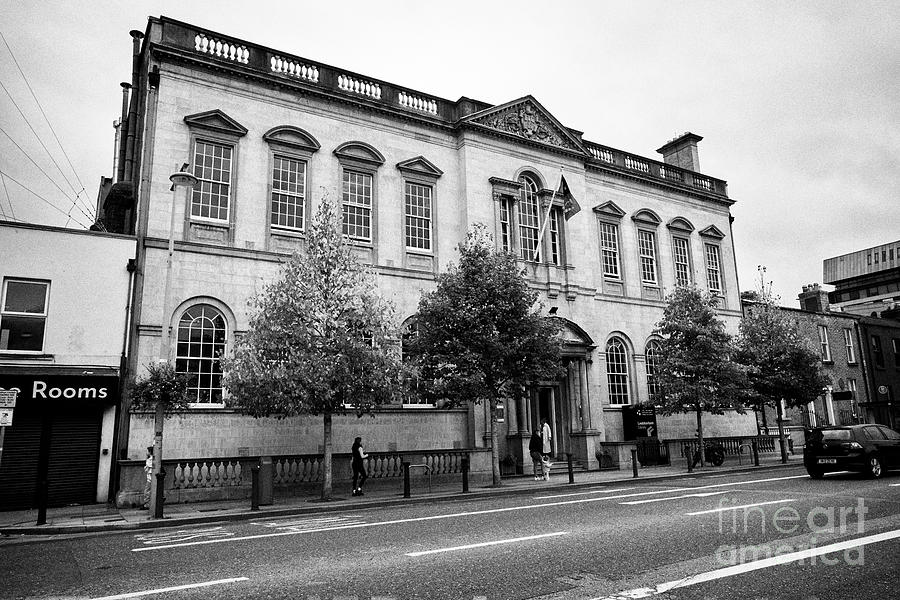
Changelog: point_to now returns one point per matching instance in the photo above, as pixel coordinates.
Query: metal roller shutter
(74, 456)
(19, 463)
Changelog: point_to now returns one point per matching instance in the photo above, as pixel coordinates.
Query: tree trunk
(159, 420)
(700, 436)
(782, 440)
(495, 450)
(327, 474)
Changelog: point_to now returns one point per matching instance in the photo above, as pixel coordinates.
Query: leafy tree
(695, 370)
(321, 340)
(481, 336)
(780, 362)
(165, 392)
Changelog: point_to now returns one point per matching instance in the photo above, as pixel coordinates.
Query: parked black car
(869, 449)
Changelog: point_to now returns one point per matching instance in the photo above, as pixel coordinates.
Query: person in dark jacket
(359, 467)
(534, 448)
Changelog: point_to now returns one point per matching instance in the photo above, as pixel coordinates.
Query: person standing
(546, 449)
(535, 446)
(148, 473)
(359, 467)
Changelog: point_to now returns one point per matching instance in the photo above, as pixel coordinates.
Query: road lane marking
(183, 535)
(756, 565)
(893, 484)
(715, 510)
(647, 501)
(173, 589)
(462, 514)
(310, 524)
(483, 544)
(583, 493)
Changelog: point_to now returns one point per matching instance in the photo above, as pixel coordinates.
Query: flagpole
(540, 240)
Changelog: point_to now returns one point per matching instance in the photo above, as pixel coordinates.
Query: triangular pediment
(216, 120)
(571, 334)
(420, 166)
(609, 209)
(293, 137)
(527, 119)
(713, 232)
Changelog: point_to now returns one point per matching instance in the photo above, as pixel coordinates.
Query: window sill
(37, 356)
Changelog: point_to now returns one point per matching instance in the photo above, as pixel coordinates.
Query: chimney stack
(682, 152)
(813, 299)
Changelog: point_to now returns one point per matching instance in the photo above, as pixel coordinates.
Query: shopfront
(62, 432)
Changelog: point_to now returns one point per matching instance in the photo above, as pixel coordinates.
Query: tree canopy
(160, 385)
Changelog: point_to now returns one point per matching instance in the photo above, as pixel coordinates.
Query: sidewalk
(102, 517)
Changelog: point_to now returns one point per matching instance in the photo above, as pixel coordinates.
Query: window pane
(22, 333)
(647, 243)
(682, 262)
(288, 192)
(609, 248)
(418, 216)
(617, 372)
(26, 297)
(712, 268)
(202, 334)
(529, 219)
(212, 166)
(357, 203)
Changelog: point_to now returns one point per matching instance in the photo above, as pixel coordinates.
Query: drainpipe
(122, 132)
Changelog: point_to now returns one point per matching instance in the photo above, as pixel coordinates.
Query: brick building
(268, 134)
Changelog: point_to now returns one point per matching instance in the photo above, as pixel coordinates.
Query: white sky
(798, 102)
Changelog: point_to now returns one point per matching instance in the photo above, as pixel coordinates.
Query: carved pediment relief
(420, 166)
(712, 232)
(217, 121)
(527, 119)
(573, 335)
(293, 137)
(680, 224)
(609, 209)
(359, 152)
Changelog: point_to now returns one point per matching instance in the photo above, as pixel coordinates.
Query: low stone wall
(204, 480)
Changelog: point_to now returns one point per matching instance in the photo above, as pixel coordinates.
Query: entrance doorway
(549, 405)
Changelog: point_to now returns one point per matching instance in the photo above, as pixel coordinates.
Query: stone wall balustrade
(221, 48)
(636, 164)
(359, 86)
(292, 68)
(417, 103)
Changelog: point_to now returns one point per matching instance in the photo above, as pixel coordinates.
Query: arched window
(617, 371)
(202, 334)
(652, 360)
(529, 218)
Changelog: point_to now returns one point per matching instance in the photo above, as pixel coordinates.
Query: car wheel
(815, 473)
(874, 468)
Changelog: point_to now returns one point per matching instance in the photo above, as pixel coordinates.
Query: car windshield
(835, 434)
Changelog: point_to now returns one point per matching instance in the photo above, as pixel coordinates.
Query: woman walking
(359, 467)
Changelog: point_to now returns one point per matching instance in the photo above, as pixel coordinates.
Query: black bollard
(254, 487)
(571, 473)
(465, 474)
(634, 462)
(405, 479)
(160, 493)
(755, 446)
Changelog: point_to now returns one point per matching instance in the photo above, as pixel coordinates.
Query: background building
(63, 310)
(269, 135)
(866, 281)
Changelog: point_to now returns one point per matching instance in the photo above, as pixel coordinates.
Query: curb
(338, 505)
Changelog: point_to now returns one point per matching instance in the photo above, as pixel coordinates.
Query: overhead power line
(39, 197)
(8, 199)
(41, 108)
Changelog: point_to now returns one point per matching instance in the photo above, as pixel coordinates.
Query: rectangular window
(647, 246)
(713, 269)
(529, 224)
(877, 352)
(288, 193)
(211, 197)
(357, 205)
(824, 347)
(554, 237)
(23, 315)
(851, 386)
(609, 249)
(848, 342)
(418, 216)
(504, 224)
(681, 254)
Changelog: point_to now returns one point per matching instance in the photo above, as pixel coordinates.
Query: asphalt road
(764, 534)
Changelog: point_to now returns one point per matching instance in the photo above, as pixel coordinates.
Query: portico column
(584, 384)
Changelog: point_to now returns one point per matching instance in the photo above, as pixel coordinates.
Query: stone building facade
(602, 234)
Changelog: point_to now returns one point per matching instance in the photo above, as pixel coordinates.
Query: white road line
(894, 485)
(483, 544)
(173, 589)
(462, 514)
(583, 493)
(754, 566)
(715, 510)
(674, 498)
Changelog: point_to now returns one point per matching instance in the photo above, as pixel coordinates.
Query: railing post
(160, 493)
(755, 445)
(405, 479)
(571, 473)
(254, 487)
(634, 463)
(465, 474)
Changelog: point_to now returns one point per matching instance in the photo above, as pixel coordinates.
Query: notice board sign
(639, 422)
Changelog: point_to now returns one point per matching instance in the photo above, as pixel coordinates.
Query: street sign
(8, 398)
(846, 395)
(6, 416)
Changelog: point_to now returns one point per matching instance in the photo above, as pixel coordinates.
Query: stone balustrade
(359, 86)
(222, 49)
(291, 68)
(417, 103)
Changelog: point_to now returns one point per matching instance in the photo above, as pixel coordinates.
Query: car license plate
(827, 461)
